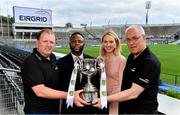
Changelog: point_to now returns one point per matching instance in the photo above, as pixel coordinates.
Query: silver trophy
(89, 68)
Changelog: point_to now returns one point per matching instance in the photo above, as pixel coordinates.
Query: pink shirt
(114, 72)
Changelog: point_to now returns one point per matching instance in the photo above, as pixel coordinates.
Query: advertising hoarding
(32, 15)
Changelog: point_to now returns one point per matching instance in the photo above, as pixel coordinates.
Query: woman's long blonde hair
(117, 50)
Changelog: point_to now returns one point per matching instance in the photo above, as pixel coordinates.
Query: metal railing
(170, 78)
(11, 92)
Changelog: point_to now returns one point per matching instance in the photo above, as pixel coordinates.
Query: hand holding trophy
(89, 67)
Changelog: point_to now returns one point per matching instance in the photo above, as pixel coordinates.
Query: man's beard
(77, 52)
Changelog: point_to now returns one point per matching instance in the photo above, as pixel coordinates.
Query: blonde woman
(115, 63)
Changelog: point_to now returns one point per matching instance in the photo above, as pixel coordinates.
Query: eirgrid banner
(32, 15)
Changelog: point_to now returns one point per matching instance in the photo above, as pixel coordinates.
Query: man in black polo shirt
(140, 78)
(40, 77)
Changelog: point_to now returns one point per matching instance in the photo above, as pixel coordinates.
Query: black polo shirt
(38, 70)
(144, 71)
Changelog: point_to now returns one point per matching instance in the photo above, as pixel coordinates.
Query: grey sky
(101, 12)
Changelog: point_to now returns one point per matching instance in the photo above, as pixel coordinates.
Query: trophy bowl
(88, 68)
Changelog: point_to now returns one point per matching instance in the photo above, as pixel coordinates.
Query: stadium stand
(11, 91)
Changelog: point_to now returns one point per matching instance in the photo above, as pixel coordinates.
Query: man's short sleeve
(146, 73)
(32, 73)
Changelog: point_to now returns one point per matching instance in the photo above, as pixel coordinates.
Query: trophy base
(89, 96)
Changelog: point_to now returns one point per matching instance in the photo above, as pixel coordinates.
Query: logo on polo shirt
(56, 67)
(133, 69)
(144, 80)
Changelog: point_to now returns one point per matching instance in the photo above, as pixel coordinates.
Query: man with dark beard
(66, 65)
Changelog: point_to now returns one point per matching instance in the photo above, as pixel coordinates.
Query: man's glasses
(133, 39)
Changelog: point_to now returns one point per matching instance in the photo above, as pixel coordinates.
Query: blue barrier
(165, 87)
(22, 49)
(58, 55)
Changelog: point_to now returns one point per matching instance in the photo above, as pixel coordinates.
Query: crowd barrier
(11, 93)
